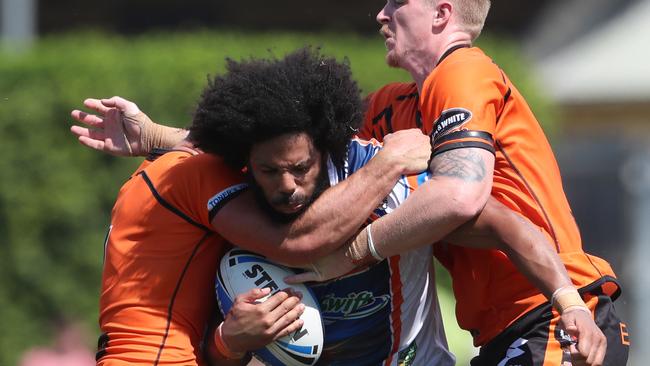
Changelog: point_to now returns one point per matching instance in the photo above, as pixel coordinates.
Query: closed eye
(301, 170)
(268, 171)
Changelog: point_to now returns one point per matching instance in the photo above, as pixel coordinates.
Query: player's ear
(441, 14)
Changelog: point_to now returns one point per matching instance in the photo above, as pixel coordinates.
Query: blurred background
(581, 64)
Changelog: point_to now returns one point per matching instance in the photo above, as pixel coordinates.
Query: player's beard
(322, 183)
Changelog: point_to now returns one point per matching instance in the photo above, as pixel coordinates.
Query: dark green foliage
(56, 196)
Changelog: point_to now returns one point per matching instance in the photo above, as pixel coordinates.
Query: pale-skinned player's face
(407, 29)
(286, 168)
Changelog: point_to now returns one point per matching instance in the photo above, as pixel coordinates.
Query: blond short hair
(471, 14)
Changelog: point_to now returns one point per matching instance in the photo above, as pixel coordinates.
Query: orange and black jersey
(160, 260)
(392, 108)
(468, 102)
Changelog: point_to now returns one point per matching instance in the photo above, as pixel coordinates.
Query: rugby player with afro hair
(303, 95)
(259, 99)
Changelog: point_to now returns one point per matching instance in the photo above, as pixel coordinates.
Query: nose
(382, 17)
(287, 183)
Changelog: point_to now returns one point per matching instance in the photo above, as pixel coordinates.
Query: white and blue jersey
(387, 314)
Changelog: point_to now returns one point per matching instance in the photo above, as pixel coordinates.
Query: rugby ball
(241, 271)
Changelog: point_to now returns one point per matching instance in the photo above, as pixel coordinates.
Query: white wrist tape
(371, 245)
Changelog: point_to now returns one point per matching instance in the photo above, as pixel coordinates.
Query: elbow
(469, 210)
(467, 205)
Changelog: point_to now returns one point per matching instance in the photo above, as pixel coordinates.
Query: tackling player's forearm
(341, 211)
(425, 218)
(328, 223)
(538, 262)
(456, 193)
(530, 251)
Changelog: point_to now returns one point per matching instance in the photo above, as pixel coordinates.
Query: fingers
(88, 119)
(591, 342)
(284, 307)
(93, 139)
(408, 133)
(599, 354)
(577, 358)
(584, 348)
(593, 347)
(103, 106)
(286, 296)
(96, 105)
(254, 294)
(295, 326)
(280, 313)
(129, 108)
(93, 144)
(79, 131)
(286, 316)
(579, 353)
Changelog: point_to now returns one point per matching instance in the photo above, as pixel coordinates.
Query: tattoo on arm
(466, 164)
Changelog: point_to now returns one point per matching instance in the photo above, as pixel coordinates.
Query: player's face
(407, 27)
(287, 170)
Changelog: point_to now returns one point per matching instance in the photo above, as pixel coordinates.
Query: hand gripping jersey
(468, 102)
(160, 260)
(387, 314)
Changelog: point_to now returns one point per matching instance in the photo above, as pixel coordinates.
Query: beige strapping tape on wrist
(358, 250)
(568, 297)
(153, 135)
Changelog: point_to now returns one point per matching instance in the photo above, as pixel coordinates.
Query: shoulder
(182, 168)
(466, 78)
(393, 91)
(199, 185)
(187, 163)
(466, 65)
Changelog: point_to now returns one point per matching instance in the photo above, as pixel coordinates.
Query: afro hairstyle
(259, 99)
